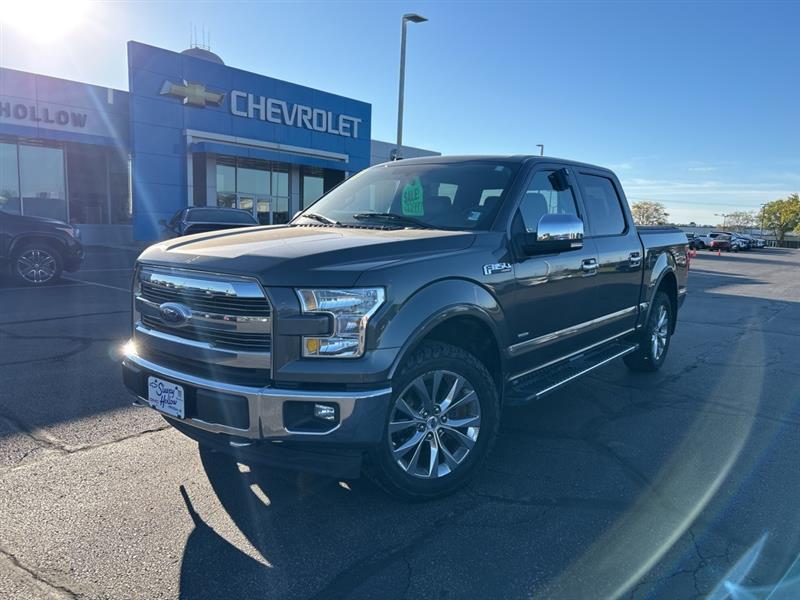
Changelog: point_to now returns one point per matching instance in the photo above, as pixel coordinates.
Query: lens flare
(43, 21)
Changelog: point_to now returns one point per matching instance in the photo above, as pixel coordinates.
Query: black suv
(36, 249)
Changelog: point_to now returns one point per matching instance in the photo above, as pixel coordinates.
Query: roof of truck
(514, 158)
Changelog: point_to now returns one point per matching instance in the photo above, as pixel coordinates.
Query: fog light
(129, 348)
(324, 411)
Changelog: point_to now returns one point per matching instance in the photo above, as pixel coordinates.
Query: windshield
(440, 195)
(217, 215)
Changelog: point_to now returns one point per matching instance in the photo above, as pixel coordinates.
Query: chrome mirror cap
(560, 228)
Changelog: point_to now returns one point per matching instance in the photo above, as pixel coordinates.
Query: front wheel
(37, 263)
(440, 426)
(654, 339)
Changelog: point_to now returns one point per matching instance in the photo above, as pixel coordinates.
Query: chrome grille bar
(222, 319)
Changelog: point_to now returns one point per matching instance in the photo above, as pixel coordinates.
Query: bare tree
(649, 213)
(741, 220)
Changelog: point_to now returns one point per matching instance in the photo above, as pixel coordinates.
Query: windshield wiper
(394, 217)
(320, 218)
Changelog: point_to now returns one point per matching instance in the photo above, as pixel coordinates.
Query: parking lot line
(127, 290)
(103, 270)
(29, 287)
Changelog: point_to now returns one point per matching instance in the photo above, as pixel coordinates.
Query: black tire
(37, 263)
(647, 357)
(385, 467)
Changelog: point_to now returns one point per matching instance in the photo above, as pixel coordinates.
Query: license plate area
(166, 397)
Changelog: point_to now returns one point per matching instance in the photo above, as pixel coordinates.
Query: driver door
(554, 292)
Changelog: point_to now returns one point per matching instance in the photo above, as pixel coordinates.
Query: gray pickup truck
(383, 329)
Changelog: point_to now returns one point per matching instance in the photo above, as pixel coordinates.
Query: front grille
(206, 301)
(221, 321)
(249, 342)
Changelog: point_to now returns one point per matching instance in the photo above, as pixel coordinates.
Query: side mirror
(555, 233)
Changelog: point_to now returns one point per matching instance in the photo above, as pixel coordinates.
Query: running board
(539, 383)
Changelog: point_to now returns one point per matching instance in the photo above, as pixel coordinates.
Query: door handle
(635, 259)
(589, 264)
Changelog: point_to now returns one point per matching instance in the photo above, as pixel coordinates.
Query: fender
(433, 305)
(664, 264)
(22, 238)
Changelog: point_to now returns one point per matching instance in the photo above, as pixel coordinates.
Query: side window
(602, 205)
(542, 198)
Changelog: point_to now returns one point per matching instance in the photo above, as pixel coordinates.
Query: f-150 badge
(496, 268)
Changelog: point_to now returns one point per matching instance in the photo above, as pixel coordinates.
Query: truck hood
(292, 255)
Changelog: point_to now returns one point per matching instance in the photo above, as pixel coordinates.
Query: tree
(781, 216)
(739, 221)
(649, 213)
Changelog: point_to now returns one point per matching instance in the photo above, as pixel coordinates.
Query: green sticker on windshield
(412, 199)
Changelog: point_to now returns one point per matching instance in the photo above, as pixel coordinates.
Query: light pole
(414, 18)
(541, 149)
(724, 219)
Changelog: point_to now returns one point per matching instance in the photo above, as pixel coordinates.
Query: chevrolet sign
(192, 94)
(275, 111)
(281, 112)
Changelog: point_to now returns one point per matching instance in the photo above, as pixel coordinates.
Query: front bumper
(73, 256)
(254, 414)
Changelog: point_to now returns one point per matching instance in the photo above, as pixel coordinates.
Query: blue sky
(694, 104)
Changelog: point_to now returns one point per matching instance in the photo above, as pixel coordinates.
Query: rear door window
(603, 206)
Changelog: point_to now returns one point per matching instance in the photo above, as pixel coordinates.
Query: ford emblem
(175, 314)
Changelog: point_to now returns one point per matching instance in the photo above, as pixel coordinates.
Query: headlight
(71, 231)
(350, 309)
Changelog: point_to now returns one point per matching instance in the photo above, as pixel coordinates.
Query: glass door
(258, 186)
(264, 211)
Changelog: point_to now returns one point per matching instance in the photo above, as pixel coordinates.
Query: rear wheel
(654, 339)
(441, 424)
(37, 263)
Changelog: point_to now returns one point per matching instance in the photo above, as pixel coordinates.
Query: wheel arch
(22, 240)
(667, 282)
(457, 312)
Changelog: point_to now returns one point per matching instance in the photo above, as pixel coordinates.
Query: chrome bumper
(361, 414)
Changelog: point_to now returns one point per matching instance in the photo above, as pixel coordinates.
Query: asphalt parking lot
(679, 484)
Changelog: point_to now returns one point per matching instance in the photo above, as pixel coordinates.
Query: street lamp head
(414, 18)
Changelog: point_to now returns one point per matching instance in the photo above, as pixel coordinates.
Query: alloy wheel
(658, 338)
(434, 424)
(36, 265)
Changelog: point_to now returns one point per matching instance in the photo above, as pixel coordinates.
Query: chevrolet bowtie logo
(192, 94)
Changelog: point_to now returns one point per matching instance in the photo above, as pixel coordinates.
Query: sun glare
(43, 21)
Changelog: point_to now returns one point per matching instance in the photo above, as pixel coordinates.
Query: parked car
(388, 324)
(202, 219)
(721, 242)
(739, 242)
(755, 242)
(735, 241)
(695, 241)
(37, 250)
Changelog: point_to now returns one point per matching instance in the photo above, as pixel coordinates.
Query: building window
(9, 179)
(258, 186)
(315, 182)
(119, 187)
(313, 185)
(87, 178)
(42, 187)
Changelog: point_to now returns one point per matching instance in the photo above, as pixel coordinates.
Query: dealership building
(191, 131)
